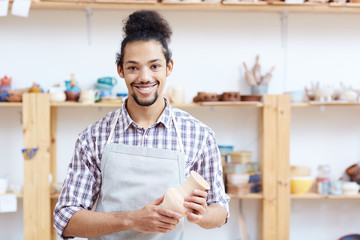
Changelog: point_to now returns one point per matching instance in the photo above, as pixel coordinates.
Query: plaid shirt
(83, 181)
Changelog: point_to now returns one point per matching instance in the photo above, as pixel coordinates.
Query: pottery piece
(111, 81)
(249, 76)
(259, 89)
(174, 197)
(350, 188)
(354, 172)
(230, 96)
(301, 185)
(72, 84)
(175, 94)
(57, 96)
(16, 95)
(72, 96)
(299, 171)
(89, 96)
(350, 96)
(267, 77)
(3, 184)
(251, 98)
(5, 81)
(256, 70)
(206, 97)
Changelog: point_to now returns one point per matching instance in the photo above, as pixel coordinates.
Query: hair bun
(148, 23)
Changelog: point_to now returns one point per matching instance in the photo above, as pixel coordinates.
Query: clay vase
(72, 96)
(174, 197)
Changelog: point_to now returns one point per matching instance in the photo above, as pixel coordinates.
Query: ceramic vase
(174, 197)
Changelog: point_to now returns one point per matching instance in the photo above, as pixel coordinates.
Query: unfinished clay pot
(72, 96)
(206, 97)
(354, 172)
(174, 197)
(230, 96)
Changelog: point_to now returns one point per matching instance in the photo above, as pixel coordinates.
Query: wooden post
(53, 128)
(283, 181)
(36, 202)
(269, 169)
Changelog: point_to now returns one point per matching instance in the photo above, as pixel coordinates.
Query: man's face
(145, 71)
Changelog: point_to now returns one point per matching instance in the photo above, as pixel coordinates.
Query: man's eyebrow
(151, 61)
(155, 60)
(130, 61)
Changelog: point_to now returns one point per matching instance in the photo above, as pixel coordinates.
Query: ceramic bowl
(301, 185)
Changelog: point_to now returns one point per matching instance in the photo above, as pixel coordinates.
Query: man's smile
(144, 88)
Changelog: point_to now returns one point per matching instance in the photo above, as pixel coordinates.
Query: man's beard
(147, 103)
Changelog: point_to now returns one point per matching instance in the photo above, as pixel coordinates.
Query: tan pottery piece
(174, 197)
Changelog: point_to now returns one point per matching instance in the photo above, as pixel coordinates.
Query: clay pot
(174, 197)
(354, 173)
(72, 96)
(230, 96)
(15, 95)
(206, 97)
(251, 98)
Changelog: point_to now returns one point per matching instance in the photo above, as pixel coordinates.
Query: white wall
(208, 50)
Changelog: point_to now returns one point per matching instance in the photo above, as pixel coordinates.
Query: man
(128, 159)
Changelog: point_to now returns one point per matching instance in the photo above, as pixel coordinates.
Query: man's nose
(145, 75)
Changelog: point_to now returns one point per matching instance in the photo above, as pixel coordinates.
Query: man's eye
(132, 68)
(155, 66)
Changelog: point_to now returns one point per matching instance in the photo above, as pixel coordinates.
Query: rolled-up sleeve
(81, 185)
(211, 169)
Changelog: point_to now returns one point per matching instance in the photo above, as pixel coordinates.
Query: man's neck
(145, 116)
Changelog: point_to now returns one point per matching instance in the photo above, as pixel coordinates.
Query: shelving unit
(40, 121)
(242, 7)
(319, 196)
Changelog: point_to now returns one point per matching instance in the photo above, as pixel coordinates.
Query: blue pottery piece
(70, 88)
(3, 96)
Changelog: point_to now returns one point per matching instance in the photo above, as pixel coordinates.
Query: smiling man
(124, 163)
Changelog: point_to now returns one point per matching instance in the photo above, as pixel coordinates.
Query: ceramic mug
(107, 80)
(89, 96)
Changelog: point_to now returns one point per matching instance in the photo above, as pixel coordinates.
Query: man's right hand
(154, 219)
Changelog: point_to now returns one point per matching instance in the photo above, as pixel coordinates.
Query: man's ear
(169, 67)
(120, 71)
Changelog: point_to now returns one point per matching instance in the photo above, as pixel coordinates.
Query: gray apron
(133, 176)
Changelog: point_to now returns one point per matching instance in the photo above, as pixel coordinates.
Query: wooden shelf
(246, 196)
(228, 6)
(319, 196)
(79, 104)
(317, 103)
(189, 105)
(10, 104)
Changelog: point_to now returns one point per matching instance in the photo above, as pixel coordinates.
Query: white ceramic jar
(350, 188)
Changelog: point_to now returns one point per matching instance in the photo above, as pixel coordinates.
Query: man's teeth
(145, 89)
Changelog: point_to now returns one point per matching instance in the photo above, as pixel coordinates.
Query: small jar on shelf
(323, 179)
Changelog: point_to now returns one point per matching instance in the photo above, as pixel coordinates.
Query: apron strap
(113, 124)
(178, 132)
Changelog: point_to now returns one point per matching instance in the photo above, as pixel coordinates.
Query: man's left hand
(197, 204)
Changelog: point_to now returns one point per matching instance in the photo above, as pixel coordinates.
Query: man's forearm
(85, 223)
(215, 216)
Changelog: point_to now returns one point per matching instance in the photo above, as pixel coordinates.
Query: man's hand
(154, 219)
(197, 203)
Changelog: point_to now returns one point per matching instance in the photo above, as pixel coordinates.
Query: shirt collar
(165, 117)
